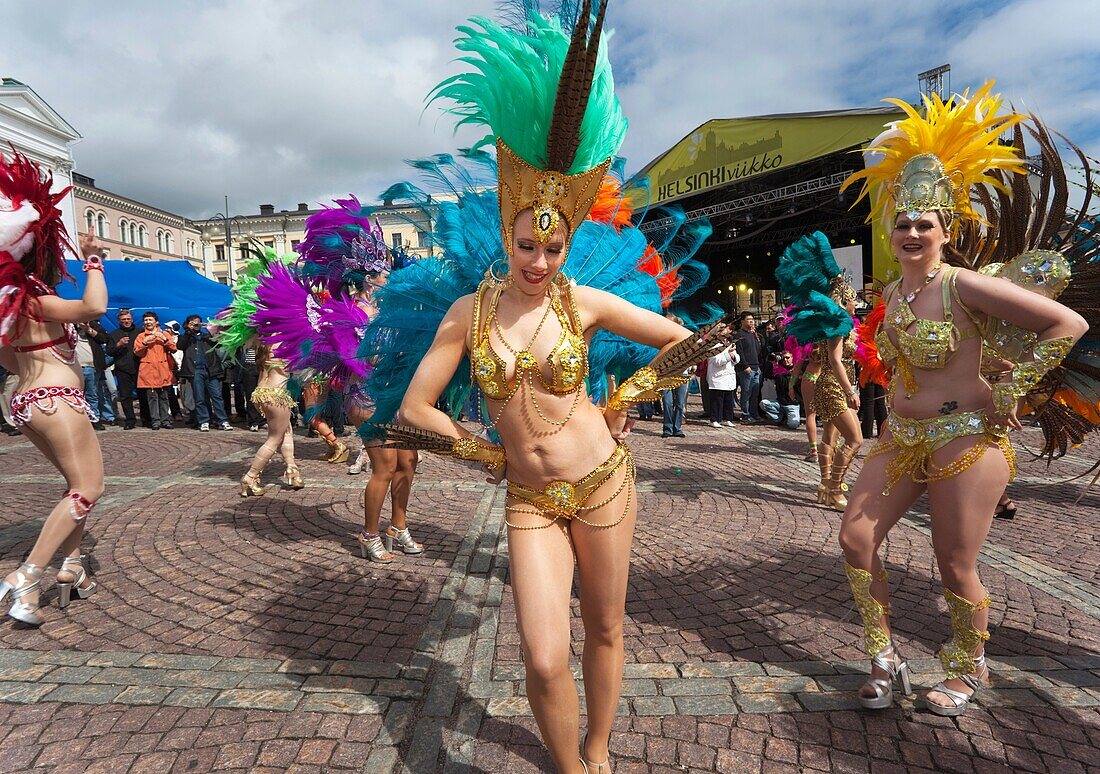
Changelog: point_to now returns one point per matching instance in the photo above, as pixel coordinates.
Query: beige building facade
(284, 230)
(132, 231)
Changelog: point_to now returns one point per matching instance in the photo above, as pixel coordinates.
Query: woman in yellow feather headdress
(947, 433)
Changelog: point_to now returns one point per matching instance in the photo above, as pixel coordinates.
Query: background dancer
(39, 338)
(238, 327)
(823, 305)
(346, 251)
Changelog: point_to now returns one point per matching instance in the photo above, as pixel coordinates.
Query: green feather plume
(232, 327)
(514, 85)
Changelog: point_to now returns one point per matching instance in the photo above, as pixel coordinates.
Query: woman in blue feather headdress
(548, 101)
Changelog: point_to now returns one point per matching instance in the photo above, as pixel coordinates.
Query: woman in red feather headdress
(39, 344)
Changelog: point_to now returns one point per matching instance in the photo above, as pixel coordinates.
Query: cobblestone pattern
(728, 567)
(244, 634)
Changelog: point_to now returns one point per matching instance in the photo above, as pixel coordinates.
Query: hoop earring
(491, 275)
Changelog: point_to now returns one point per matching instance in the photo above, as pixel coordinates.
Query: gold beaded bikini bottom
(915, 440)
(566, 500)
(272, 396)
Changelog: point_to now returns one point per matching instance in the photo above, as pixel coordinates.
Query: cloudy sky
(272, 101)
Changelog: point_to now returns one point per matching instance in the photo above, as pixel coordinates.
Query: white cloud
(279, 102)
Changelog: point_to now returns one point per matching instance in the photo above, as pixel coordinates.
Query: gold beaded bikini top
(567, 361)
(924, 344)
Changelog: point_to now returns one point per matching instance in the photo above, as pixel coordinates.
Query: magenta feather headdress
(343, 244)
(309, 328)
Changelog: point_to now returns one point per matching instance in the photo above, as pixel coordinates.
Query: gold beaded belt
(565, 500)
(915, 440)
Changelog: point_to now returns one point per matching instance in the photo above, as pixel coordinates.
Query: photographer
(93, 363)
(202, 367)
(153, 347)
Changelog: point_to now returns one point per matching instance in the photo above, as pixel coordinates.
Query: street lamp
(228, 222)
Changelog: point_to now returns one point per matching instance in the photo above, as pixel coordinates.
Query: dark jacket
(201, 346)
(123, 353)
(98, 338)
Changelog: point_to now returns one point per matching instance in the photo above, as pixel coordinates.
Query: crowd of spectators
(732, 385)
(171, 374)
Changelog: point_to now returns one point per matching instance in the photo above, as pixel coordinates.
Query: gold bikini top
(567, 361)
(273, 363)
(924, 344)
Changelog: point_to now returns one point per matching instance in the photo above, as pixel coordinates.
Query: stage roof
(724, 152)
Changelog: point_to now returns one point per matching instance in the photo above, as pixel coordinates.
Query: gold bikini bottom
(272, 396)
(915, 440)
(566, 500)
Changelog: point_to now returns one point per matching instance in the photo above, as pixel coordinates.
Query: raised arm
(605, 310)
(94, 302)
(1002, 299)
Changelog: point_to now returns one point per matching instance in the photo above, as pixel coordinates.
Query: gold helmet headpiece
(932, 162)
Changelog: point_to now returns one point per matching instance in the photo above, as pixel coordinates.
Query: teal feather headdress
(811, 280)
(548, 100)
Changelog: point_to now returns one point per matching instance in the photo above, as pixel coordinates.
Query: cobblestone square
(248, 634)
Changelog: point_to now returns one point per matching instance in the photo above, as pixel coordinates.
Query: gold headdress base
(552, 196)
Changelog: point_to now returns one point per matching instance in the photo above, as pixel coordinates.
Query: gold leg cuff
(958, 654)
(875, 637)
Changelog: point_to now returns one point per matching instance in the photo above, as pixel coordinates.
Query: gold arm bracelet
(474, 449)
(1026, 376)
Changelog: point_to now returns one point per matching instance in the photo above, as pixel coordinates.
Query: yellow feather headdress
(932, 162)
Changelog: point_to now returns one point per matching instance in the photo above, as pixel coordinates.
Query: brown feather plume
(706, 342)
(413, 438)
(574, 88)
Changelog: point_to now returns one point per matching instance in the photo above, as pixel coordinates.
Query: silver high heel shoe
(404, 540)
(26, 580)
(372, 548)
(75, 566)
(357, 467)
(959, 699)
(890, 661)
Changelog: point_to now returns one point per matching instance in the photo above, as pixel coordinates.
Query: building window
(169, 243)
(294, 244)
(270, 244)
(101, 225)
(133, 233)
(160, 240)
(422, 239)
(219, 251)
(190, 248)
(123, 231)
(89, 220)
(142, 235)
(396, 240)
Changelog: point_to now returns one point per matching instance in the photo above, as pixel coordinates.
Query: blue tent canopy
(172, 289)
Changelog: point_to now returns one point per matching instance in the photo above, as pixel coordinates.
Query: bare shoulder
(462, 308)
(591, 301)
